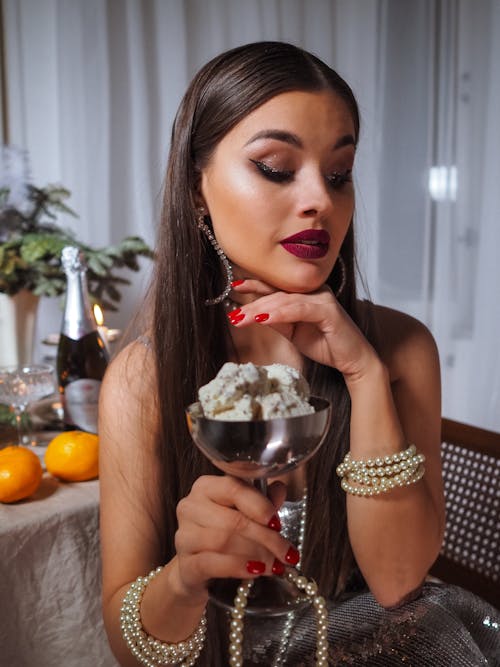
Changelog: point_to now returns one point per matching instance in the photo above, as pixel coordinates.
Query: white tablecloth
(50, 591)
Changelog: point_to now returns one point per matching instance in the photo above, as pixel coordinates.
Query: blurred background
(89, 92)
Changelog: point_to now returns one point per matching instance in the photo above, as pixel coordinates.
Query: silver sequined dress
(445, 626)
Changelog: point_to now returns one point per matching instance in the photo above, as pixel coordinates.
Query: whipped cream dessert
(244, 392)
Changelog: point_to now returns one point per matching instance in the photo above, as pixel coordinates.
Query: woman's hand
(315, 323)
(227, 528)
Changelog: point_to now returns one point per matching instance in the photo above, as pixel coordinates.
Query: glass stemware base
(20, 386)
(269, 596)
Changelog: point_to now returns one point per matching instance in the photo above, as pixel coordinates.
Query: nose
(315, 196)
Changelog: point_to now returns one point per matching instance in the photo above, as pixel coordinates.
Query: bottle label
(81, 400)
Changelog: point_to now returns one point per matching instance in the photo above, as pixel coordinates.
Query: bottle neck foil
(78, 320)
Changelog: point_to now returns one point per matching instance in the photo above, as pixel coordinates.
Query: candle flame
(99, 317)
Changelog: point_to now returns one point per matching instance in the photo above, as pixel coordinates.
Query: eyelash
(335, 180)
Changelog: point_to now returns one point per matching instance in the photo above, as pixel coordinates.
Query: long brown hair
(190, 340)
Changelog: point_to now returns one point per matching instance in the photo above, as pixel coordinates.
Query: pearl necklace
(309, 587)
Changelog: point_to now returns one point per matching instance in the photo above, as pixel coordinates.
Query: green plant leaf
(32, 243)
(112, 292)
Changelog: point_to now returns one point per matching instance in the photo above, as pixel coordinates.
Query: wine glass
(256, 451)
(22, 385)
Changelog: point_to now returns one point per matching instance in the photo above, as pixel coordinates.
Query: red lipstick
(308, 244)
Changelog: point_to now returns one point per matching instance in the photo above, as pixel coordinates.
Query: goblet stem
(261, 484)
(23, 437)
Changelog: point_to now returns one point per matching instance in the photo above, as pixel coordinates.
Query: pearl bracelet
(379, 475)
(309, 587)
(147, 649)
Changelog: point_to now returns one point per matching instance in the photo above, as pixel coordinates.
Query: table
(50, 587)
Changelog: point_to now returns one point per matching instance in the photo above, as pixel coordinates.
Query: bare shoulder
(128, 467)
(127, 406)
(403, 343)
(130, 376)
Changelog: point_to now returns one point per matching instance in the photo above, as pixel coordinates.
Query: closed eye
(335, 180)
(338, 179)
(275, 175)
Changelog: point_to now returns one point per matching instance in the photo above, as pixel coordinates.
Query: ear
(198, 198)
(199, 202)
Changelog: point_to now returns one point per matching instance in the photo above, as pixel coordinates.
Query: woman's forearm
(396, 535)
(167, 613)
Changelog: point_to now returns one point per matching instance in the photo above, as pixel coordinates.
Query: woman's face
(278, 189)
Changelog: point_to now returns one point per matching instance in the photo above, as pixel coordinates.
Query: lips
(308, 244)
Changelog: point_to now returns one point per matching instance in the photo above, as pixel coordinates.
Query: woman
(259, 193)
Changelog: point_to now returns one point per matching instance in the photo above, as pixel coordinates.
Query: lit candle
(102, 330)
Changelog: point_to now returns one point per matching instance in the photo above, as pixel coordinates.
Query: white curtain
(438, 215)
(93, 86)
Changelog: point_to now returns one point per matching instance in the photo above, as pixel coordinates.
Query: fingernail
(278, 567)
(233, 313)
(274, 523)
(292, 556)
(261, 317)
(237, 318)
(256, 567)
(235, 283)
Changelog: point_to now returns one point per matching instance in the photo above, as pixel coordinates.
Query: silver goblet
(257, 451)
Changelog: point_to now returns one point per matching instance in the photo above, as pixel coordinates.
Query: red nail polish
(235, 283)
(261, 317)
(278, 567)
(256, 567)
(292, 556)
(237, 318)
(275, 523)
(233, 313)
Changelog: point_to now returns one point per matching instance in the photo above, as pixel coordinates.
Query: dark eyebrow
(279, 135)
(293, 139)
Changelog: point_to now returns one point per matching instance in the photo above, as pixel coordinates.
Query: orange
(73, 456)
(20, 473)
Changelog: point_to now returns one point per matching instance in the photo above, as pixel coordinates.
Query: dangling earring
(200, 221)
(343, 276)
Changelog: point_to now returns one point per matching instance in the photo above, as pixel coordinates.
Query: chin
(305, 277)
(300, 285)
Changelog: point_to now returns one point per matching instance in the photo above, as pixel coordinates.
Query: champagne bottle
(82, 357)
